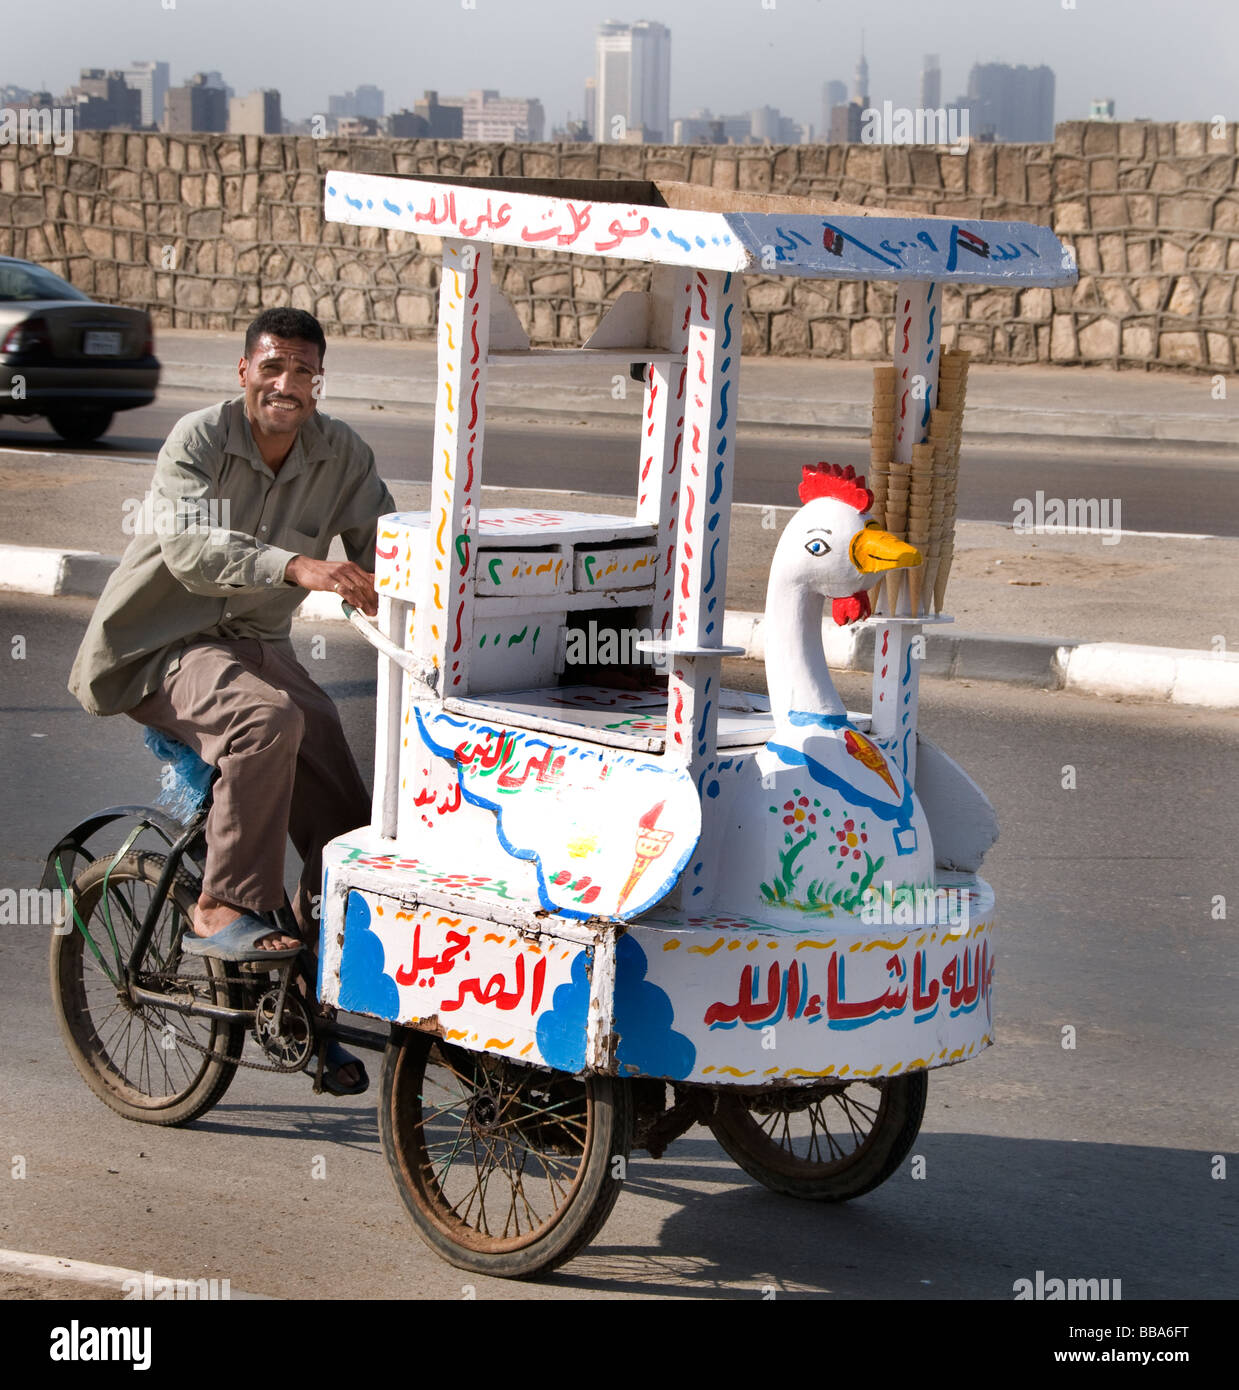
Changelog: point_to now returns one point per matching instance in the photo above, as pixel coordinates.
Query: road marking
(65, 454)
(83, 1272)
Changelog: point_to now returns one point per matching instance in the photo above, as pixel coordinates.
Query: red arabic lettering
(496, 990)
(620, 233)
(437, 963)
(580, 220)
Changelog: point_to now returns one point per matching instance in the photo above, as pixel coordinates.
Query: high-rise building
(197, 105)
(591, 106)
(369, 103)
(488, 116)
(150, 80)
(834, 93)
(366, 102)
(1010, 103)
(102, 100)
(256, 114)
(633, 82)
(861, 79)
(846, 122)
(444, 121)
(931, 83)
(216, 79)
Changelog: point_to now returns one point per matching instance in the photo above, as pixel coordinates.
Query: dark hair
(286, 323)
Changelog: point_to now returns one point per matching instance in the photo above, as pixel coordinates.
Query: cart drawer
(514, 572)
(598, 568)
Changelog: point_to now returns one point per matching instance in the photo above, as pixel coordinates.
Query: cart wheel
(506, 1169)
(826, 1143)
(138, 1058)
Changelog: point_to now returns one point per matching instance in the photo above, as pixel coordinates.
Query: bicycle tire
(107, 1035)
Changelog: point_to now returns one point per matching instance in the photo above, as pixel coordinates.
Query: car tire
(79, 426)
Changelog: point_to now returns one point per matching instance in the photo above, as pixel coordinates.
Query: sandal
(335, 1060)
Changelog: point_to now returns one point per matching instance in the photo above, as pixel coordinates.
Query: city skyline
(754, 56)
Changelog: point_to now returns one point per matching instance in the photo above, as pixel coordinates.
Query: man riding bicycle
(191, 635)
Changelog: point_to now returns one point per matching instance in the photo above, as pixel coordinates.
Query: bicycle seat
(186, 777)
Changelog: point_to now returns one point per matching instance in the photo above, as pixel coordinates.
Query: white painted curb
(1173, 674)
(1113, 669)
(101, 1276)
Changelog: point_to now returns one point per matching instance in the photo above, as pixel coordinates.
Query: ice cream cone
(944, 572)
(894, 583)
(651, 842)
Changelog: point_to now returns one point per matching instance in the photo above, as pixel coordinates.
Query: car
(68, 358)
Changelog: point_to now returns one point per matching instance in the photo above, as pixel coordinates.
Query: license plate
(102, 344)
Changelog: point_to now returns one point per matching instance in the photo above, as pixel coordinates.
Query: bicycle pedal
(257, 967)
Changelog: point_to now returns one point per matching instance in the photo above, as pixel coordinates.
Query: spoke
(834, 1147)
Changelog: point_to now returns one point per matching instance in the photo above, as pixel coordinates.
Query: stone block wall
(206, 230)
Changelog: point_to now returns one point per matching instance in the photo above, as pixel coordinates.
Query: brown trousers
(285, 768)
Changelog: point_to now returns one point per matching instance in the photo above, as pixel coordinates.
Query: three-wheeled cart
(602, 897)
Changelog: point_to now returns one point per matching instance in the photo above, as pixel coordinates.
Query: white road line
(65, 454)
(83, 1272)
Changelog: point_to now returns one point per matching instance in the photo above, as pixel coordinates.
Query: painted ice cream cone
(651, 842)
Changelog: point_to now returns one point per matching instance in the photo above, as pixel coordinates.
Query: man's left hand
(342, 577)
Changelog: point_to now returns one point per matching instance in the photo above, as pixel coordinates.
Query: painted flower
(799, 817)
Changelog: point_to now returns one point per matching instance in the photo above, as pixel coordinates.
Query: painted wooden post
(918, 351)
(899, 645)
(662, 440)
(444, 626)
(700, 566)
(384, 813)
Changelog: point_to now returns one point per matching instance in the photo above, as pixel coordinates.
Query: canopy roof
(713, 229)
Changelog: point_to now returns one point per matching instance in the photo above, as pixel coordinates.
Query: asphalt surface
(1186, 488)
(1091, 1161)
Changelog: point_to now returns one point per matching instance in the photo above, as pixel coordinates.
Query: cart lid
(684, 224)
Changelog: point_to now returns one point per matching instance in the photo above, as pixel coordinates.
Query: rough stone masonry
(205, 230)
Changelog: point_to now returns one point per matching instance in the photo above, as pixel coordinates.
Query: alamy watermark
(37, 125)
(34, 907)
(608, 646)
(1071, 516)
(166, 516)
(919, 125)
(884, 905)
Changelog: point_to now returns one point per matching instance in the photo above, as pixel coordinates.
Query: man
(190, 635)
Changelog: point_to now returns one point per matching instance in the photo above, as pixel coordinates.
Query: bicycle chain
(237, 1061)
(283, 1068)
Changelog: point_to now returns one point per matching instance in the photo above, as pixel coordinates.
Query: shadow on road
(989, 1211)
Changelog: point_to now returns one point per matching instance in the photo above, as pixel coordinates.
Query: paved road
(1193, 490)
(1091, 1162)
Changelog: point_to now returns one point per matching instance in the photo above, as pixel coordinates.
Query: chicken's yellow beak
(874, 550)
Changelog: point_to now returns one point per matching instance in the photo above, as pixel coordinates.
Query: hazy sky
(1167, 61)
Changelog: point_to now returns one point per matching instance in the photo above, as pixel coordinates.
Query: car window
(19, 282)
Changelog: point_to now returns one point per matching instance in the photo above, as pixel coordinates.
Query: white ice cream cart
(602, 897)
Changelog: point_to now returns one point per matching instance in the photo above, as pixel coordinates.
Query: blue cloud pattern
(364, 987)
(648, 1045)
(561, 1028)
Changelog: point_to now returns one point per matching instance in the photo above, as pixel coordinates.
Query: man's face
(279, 380)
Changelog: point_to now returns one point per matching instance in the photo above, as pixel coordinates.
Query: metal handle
(422, 670)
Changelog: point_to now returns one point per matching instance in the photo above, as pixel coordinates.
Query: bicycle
(156, 1033)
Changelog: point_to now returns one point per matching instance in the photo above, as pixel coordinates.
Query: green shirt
(214, 537)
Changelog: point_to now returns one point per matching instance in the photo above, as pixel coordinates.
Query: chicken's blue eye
(817, 546)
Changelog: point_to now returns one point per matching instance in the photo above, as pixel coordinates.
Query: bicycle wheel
(151, 1064)
(506, 1169)
(825, 1143)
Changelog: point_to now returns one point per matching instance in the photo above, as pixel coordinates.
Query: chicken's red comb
(831, 480)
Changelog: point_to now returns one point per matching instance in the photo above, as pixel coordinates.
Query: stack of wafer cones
(881, 451)
(915, 501)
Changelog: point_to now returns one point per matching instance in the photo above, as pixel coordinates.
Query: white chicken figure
(828, 813)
